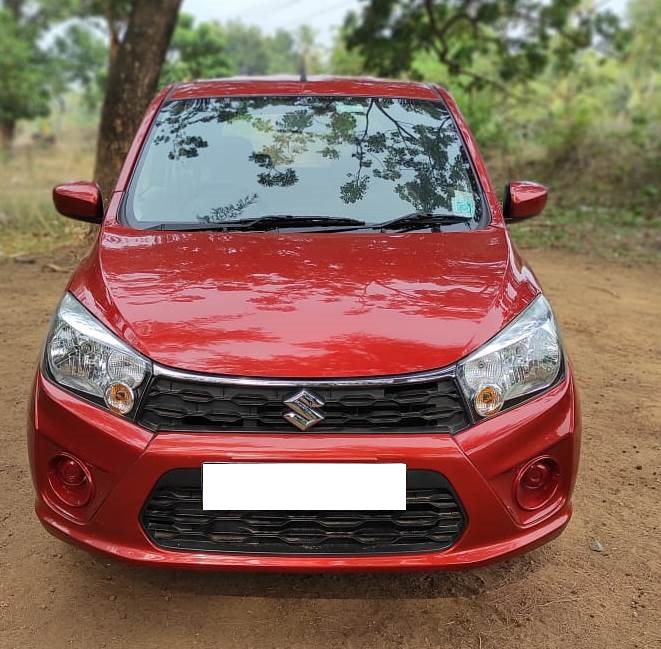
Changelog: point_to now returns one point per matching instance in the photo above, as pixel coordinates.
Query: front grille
(189, 405)
(433, 520)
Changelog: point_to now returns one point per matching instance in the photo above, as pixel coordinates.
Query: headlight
(84, 355)
(524, 358)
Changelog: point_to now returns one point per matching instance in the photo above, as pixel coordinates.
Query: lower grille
(433, 520)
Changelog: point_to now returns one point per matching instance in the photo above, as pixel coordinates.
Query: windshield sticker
(463, 203)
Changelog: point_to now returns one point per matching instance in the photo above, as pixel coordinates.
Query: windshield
(218, 160)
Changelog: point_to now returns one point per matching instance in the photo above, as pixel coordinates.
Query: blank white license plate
(303, 486)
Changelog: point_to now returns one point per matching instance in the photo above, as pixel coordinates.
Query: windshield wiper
(412, 221)
(405, 223)
(418, 220)
(264, 223)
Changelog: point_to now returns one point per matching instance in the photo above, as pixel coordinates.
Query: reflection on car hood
(304, 305)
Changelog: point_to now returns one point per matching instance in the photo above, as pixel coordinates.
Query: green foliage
(27, 76)
(282, 52)
(644, 50)
(246, 48)
(553, 89)
(33, 74)
(519, 37)
(481, 106)
(304, 45)
(251, 52)
(196, 52)
(212, 49)
(345, 60)
(586, 121)
(82, 58)
(624, 233)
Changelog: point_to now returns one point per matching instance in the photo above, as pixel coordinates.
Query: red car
(304, 340)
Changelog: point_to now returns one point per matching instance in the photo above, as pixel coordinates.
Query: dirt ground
(566, 594)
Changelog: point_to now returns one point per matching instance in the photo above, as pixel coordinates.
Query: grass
(616, 233)
(603, 203)
(588, 213)
(29, 223)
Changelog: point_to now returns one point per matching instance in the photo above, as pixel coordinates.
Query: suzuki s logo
(304, 413)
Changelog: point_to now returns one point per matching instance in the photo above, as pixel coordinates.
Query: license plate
(303, 486)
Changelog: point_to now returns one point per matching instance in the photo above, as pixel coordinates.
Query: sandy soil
(563, 595)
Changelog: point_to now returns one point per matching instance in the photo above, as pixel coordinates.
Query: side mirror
(523, 200)
(81, 200)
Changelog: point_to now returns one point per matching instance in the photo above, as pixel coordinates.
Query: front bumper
(481, 463)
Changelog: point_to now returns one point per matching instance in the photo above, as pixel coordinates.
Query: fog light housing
(537, 483)
(70, 480)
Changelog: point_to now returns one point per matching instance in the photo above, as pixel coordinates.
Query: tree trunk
(131, 84)
(113, 34)
(113, 48)
(7, 132)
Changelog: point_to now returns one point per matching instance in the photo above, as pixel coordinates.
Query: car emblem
(304, 413)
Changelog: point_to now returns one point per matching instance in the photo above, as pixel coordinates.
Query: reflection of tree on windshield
(174, 120)
(422, 157)
(228, 212)
(273, 176)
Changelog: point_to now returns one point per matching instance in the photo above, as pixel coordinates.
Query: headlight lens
(523, 358)
(84, 355)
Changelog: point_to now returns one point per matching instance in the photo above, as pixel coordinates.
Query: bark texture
(131, 84)
(7, 132)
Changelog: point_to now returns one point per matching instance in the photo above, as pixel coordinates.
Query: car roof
(293, 85)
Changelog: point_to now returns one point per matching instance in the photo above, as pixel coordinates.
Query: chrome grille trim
(393, 379)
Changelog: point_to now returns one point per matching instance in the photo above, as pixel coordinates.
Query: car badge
(304, 411)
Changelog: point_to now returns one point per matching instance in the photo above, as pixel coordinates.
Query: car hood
(304, 305)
